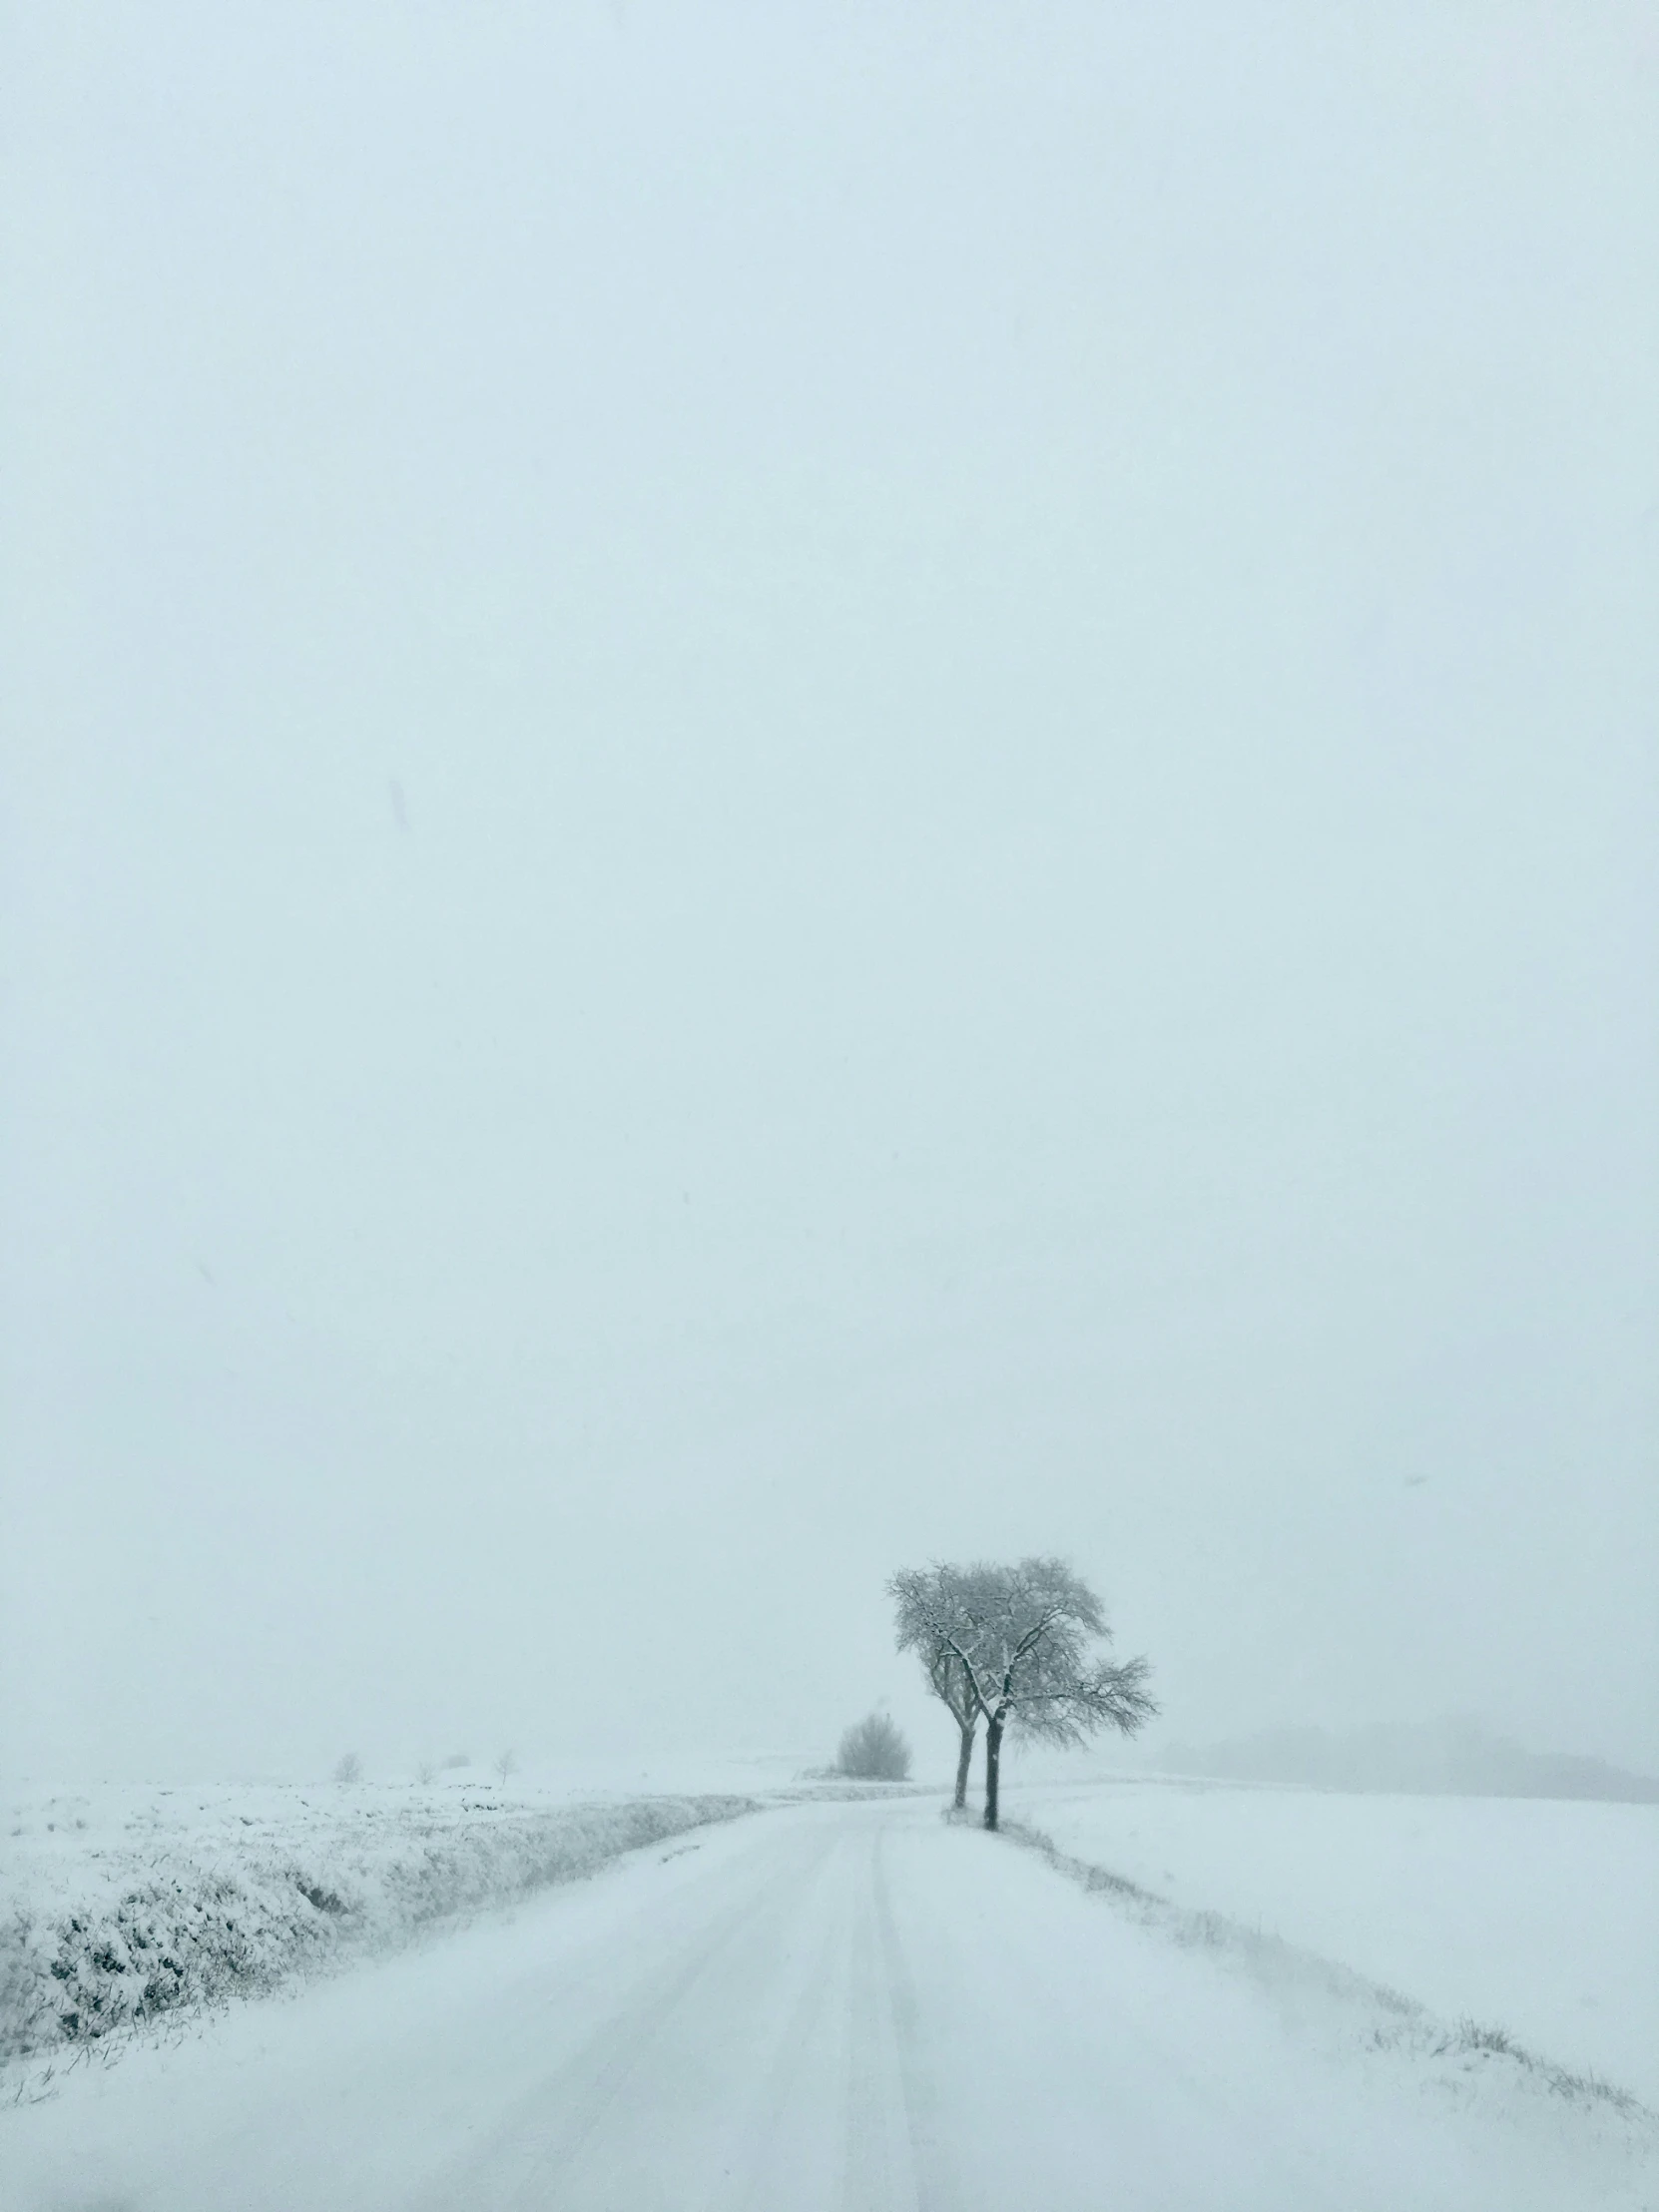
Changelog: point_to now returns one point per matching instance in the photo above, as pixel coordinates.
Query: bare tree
(426, 1772)
(874, 1750)
(505, 1764)
(349, 1768)
(922, 1598)
(1026, 1639)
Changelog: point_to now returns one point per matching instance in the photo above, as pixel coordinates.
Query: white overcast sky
(794, 787)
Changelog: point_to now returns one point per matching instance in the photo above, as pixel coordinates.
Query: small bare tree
(874, 1750)
(505, 1765)
(1025, 1638)
(426, 1772)
(349, 1768)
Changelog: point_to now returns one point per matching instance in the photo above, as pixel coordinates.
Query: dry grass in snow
(127, 1907)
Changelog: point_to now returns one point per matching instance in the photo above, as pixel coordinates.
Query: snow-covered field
(1538, 1918)
(832, 2007)
(126, 1906)
(795, 2008)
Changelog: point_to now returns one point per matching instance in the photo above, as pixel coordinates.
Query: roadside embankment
(126, 1908)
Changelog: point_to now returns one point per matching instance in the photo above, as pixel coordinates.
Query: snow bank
(1527, 1924)
(125, 1907)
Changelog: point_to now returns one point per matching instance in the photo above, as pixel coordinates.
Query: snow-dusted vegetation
(1514, 1927)
(128, 1905)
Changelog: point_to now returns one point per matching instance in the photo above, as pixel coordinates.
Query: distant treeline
(1455, 1758)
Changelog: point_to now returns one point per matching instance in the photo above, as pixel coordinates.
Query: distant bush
(874, 1750)
(349, 1768)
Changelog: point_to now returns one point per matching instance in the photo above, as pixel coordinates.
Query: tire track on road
(536, 2155)
(935, 2181)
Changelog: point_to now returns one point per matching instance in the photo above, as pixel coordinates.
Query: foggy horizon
(787, 795)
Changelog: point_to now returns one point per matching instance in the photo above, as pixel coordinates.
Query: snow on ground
(802, 2009)
(1533, 1916)
(841, 2008)
(125, 1906)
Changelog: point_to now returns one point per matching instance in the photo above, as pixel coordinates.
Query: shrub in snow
(874, 1750)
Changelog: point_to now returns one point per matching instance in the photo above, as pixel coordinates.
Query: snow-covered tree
(1026, 1639)
(923, 1598)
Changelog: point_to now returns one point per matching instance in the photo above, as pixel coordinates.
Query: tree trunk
(993, 1755)
(965, 1760)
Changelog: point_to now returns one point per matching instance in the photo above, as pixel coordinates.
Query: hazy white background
(794, 786)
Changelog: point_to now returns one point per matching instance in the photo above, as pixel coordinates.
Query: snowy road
(844, 2005)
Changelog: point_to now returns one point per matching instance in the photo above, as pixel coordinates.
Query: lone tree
(1026, 1639)
(874, 1750)
(925, 1600)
